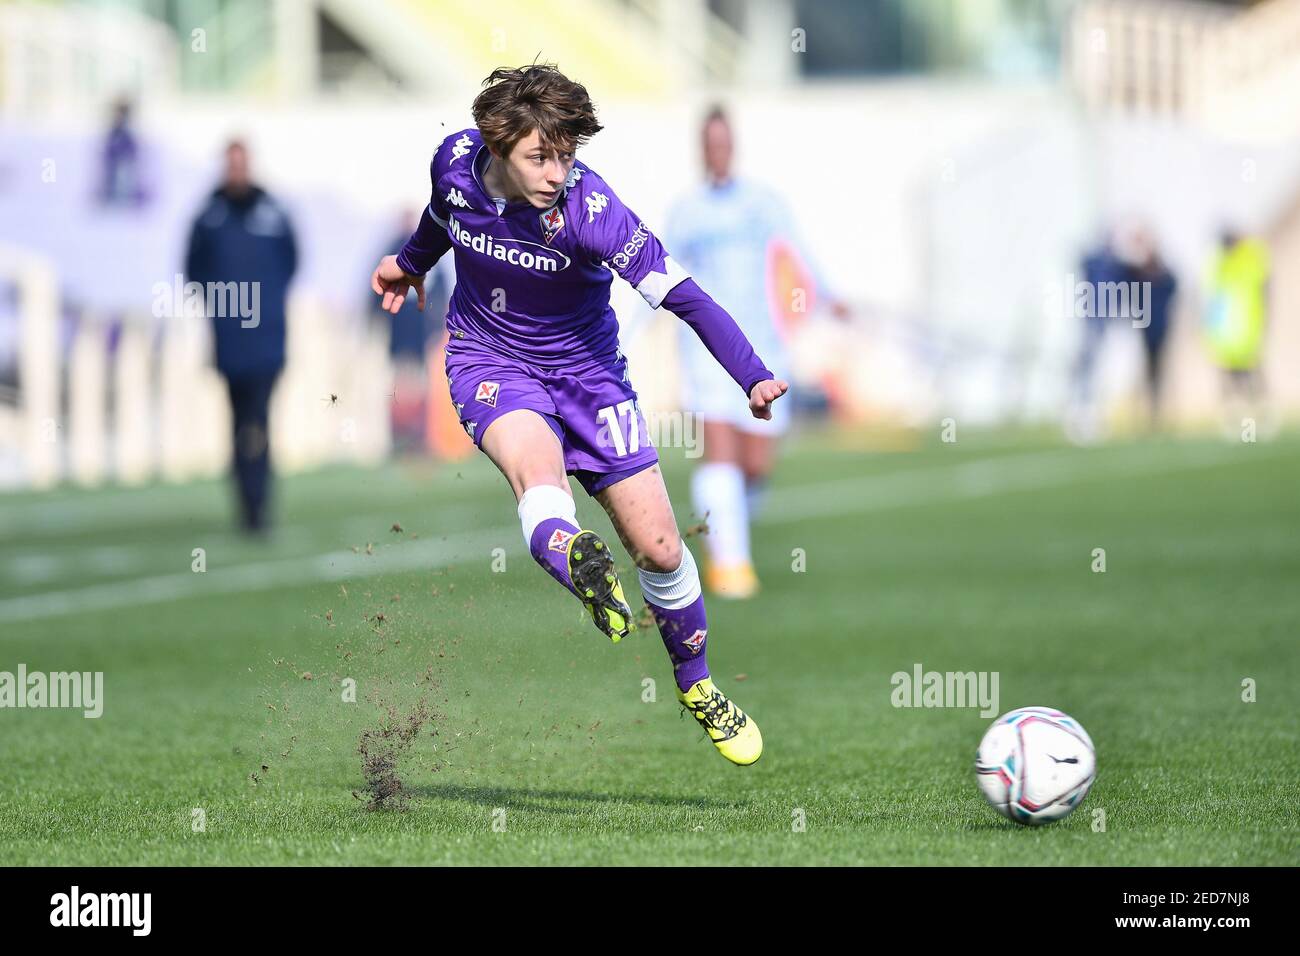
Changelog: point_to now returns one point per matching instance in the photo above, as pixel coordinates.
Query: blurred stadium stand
(984, 145)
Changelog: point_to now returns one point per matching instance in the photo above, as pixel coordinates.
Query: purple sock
(685, 632)
(549, 545)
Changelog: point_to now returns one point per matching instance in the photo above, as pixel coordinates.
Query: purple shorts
(591, 407)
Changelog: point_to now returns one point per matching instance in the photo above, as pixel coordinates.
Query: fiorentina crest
(487, 393)
(552, 223)
(696, 641)
(559, 540)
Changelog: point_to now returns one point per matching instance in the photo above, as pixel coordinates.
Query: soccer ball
(1035, 765)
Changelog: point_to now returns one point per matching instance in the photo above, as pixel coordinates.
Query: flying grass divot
(383, 750)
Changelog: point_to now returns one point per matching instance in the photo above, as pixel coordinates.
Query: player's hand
(393, 284)
(762, 395)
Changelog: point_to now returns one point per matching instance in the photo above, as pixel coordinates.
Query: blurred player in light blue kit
(729, 233)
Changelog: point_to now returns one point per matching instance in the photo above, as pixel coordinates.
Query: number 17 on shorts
(620, 428)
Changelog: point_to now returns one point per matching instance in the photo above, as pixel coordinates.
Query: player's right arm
(396, 276)
(394, 283)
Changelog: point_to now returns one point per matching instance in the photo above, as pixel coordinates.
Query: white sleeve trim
(436, 218)
(656, 285)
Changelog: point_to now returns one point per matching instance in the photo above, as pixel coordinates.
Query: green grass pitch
(521, 735)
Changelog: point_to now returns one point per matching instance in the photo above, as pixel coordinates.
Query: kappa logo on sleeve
(552, 223)
(457, 198)
(696, 641)
(559, 540)
(596, 204)
(487, 393)
(461, 147)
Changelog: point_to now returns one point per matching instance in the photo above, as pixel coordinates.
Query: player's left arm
(614, 234)
(726, 343)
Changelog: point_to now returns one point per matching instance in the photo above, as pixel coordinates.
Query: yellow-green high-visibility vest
(1238, 309)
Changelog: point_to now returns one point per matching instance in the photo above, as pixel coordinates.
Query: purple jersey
(533, 284)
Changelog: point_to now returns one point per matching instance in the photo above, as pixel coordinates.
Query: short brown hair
(514, 102)
(717, 113)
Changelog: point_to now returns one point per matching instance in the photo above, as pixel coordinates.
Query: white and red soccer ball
(1035, 765)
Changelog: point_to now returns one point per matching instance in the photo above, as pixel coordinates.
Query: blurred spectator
(411, 331)
(1101, 267)
(122, 171)
(1148, 267)
(243, 236)
(1127, 281)
(1236, 316)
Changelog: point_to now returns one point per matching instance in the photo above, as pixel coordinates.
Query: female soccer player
(727, 231)
(535, 370)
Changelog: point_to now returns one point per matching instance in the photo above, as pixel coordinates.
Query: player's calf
(677, 604)
(675, 599)
(549, 517)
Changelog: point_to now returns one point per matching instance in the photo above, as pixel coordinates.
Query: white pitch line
(971, 479)
(263, 575)
(100, 510)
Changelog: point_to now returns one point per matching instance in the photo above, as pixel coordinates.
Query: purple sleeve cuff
(719, 333)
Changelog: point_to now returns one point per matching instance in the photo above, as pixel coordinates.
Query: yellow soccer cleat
(732, 731)
(591, 569)
(734, 581)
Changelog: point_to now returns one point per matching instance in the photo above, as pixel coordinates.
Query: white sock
(545, 501)
(718, 490)
(672, 589)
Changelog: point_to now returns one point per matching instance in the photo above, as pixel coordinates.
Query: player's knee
(664, 554)
(537, 473)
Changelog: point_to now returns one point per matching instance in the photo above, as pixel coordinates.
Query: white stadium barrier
(150, 406)
(30, 427)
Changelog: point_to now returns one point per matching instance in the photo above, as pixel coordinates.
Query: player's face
(717, 150)
(536, 171)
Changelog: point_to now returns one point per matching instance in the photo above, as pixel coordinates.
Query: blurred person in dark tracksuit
(242, 235)
(1101, 267)
(1159, 296)
(1130, 284)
